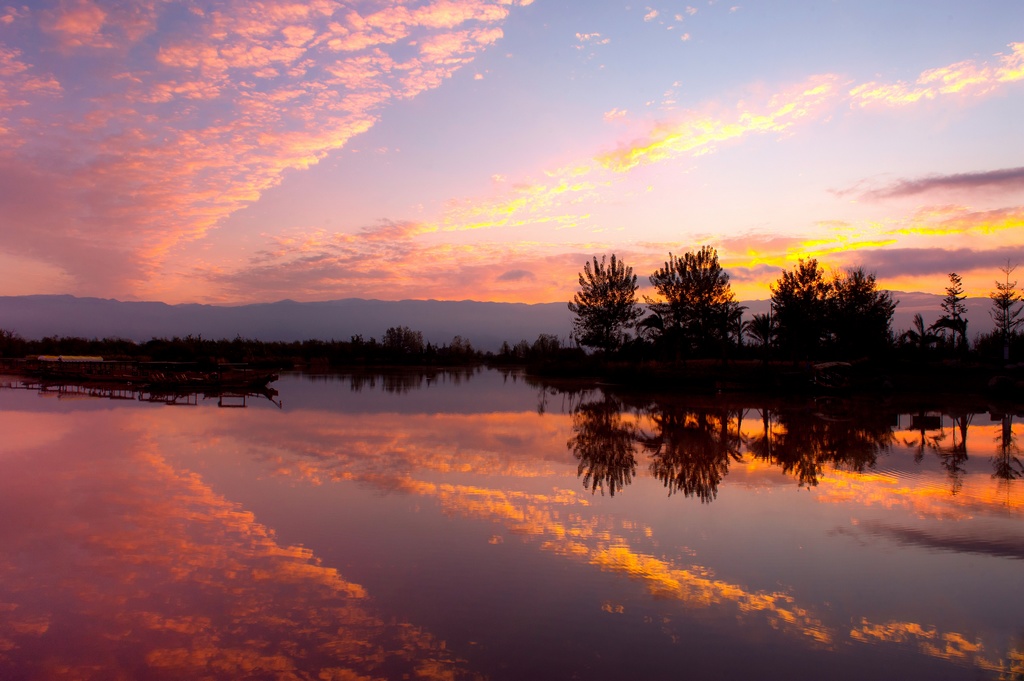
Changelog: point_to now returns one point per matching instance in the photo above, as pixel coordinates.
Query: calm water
(483, 527)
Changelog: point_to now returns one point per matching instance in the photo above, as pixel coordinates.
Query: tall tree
(800, 306)
(1006, 308)
(605, 306)
(697, 304)
(860, 314)
(954, 320)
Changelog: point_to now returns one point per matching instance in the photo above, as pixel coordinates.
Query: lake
(479, 525)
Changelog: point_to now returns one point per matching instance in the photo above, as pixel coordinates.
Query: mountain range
(485, 325)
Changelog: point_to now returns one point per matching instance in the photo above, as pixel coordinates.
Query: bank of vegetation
(822, 331)
(399, 346)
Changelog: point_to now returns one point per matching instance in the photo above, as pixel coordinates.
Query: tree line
(694, 314)
(399, 345)
(813, 314)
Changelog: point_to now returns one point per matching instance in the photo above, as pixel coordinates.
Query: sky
(231, 152)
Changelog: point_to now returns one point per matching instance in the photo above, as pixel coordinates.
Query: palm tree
(919, 336)
(762, 329)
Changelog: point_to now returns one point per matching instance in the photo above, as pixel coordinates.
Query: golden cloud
(968, 77)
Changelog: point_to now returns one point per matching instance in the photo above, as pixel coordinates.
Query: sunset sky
(242, 151)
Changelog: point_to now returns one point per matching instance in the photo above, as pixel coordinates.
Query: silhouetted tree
(403, 341)
(698, 306)
(919, 336)
(651, 327)
(761, 329)
(11, 344)
(800, 304)
(546, 344)
(846, 314)
(605, 306)
(1006, 308)
(860, 316)
(954, 321)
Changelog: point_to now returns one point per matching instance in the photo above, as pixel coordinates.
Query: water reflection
(833, 435)
(827, 544)
(117, 564)
(1006, 463)
(401, 382)
(691, 447)
(690, 450)
(603, 439)
(951, 448)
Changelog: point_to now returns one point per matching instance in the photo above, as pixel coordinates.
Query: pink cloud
(170, 141)
(77, 24)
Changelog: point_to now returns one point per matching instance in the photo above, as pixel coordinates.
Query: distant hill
(486, 325)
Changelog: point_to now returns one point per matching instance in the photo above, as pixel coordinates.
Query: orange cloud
(949, 645)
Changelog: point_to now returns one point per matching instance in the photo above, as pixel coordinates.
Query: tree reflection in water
(803, 440)
(604, 442)
(690, 450)
(1006, 463)
(953, 454)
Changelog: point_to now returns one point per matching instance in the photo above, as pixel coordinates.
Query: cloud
(585, 39)
(916, 262)
(517, 275)
(172, 132)
(955, 220)
(1004, 180)
(966, 77)
(614, 114)
(557, 196)
(755, 274)
(77, 24)
(155, 138)
(698, 133)
(386, 258)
